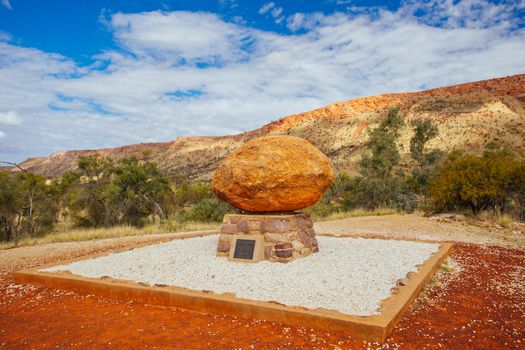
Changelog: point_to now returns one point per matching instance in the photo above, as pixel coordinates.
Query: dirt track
(439, 228)
(481, 306)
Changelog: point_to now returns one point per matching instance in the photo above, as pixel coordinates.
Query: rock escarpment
(467, 116)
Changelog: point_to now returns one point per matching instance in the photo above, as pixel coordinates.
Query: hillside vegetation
(453, 149)
(105, 197)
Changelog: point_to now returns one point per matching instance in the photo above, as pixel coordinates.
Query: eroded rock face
(496, 107)
(273, 174)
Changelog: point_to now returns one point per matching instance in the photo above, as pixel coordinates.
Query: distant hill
(467, 115)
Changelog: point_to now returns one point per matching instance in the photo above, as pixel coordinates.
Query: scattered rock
(274, 226)
(223, 246)
(283, 246)
(286, 253)
(229, 228)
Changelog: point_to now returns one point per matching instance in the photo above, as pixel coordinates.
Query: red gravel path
(480, 307)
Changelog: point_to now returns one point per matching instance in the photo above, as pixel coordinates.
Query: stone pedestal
(286, 236)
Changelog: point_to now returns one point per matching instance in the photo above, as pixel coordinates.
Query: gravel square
(349, 275)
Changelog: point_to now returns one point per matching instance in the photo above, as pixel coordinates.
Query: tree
(503, 166)
(108, 193)
(459, 183)
(28, 205)
(10, 202)
(478, 182)
(517, 189)
(424, 131)
(140, 190)
(38, 208)
(382, 144)
(91, 200)
(378, 186)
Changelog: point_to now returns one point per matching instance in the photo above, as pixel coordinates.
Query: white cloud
(5, 36)
(7, 4)
(231, 4)
(273, 11)
(296, 21)
(176, 35)
(276, 12)
(466, 13)
(2, 134)
(183, 73)
(10, 118)
(266, 7)
(310, 21)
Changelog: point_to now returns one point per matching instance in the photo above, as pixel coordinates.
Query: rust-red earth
(479, 307)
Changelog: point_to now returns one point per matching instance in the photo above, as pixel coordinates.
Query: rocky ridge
(467, 116)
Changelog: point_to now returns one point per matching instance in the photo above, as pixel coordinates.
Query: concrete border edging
(371, 328)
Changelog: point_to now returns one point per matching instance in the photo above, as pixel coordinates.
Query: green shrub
(494, 180)
(404, 198)
(322, 210)
(372, 193)
(189, 193)
(207, 210)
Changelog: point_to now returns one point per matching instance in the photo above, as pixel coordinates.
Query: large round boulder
(273, 174)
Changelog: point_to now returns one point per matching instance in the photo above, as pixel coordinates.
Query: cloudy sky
(89, 74)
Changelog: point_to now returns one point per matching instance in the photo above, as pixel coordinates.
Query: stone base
(286, 236)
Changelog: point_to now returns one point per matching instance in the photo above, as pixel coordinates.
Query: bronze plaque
(244, 249)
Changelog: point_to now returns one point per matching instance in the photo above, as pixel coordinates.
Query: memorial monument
(270, 178)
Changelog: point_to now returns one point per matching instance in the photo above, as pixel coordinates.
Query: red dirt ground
(481, 306)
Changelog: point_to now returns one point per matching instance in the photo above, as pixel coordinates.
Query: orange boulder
(273, 174)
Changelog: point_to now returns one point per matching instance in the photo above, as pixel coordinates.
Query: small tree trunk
(474, 208)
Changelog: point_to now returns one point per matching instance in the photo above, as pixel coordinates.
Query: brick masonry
(286, 236)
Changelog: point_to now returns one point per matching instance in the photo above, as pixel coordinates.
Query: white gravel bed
(351, 275)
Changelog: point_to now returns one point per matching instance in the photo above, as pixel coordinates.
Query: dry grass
(73, 235)
(355, 213)
(63, 233)
(505, 221)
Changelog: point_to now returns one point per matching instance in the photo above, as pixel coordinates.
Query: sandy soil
(440, 228)
(479, 306)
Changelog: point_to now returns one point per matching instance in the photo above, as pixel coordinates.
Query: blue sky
(91, 74)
